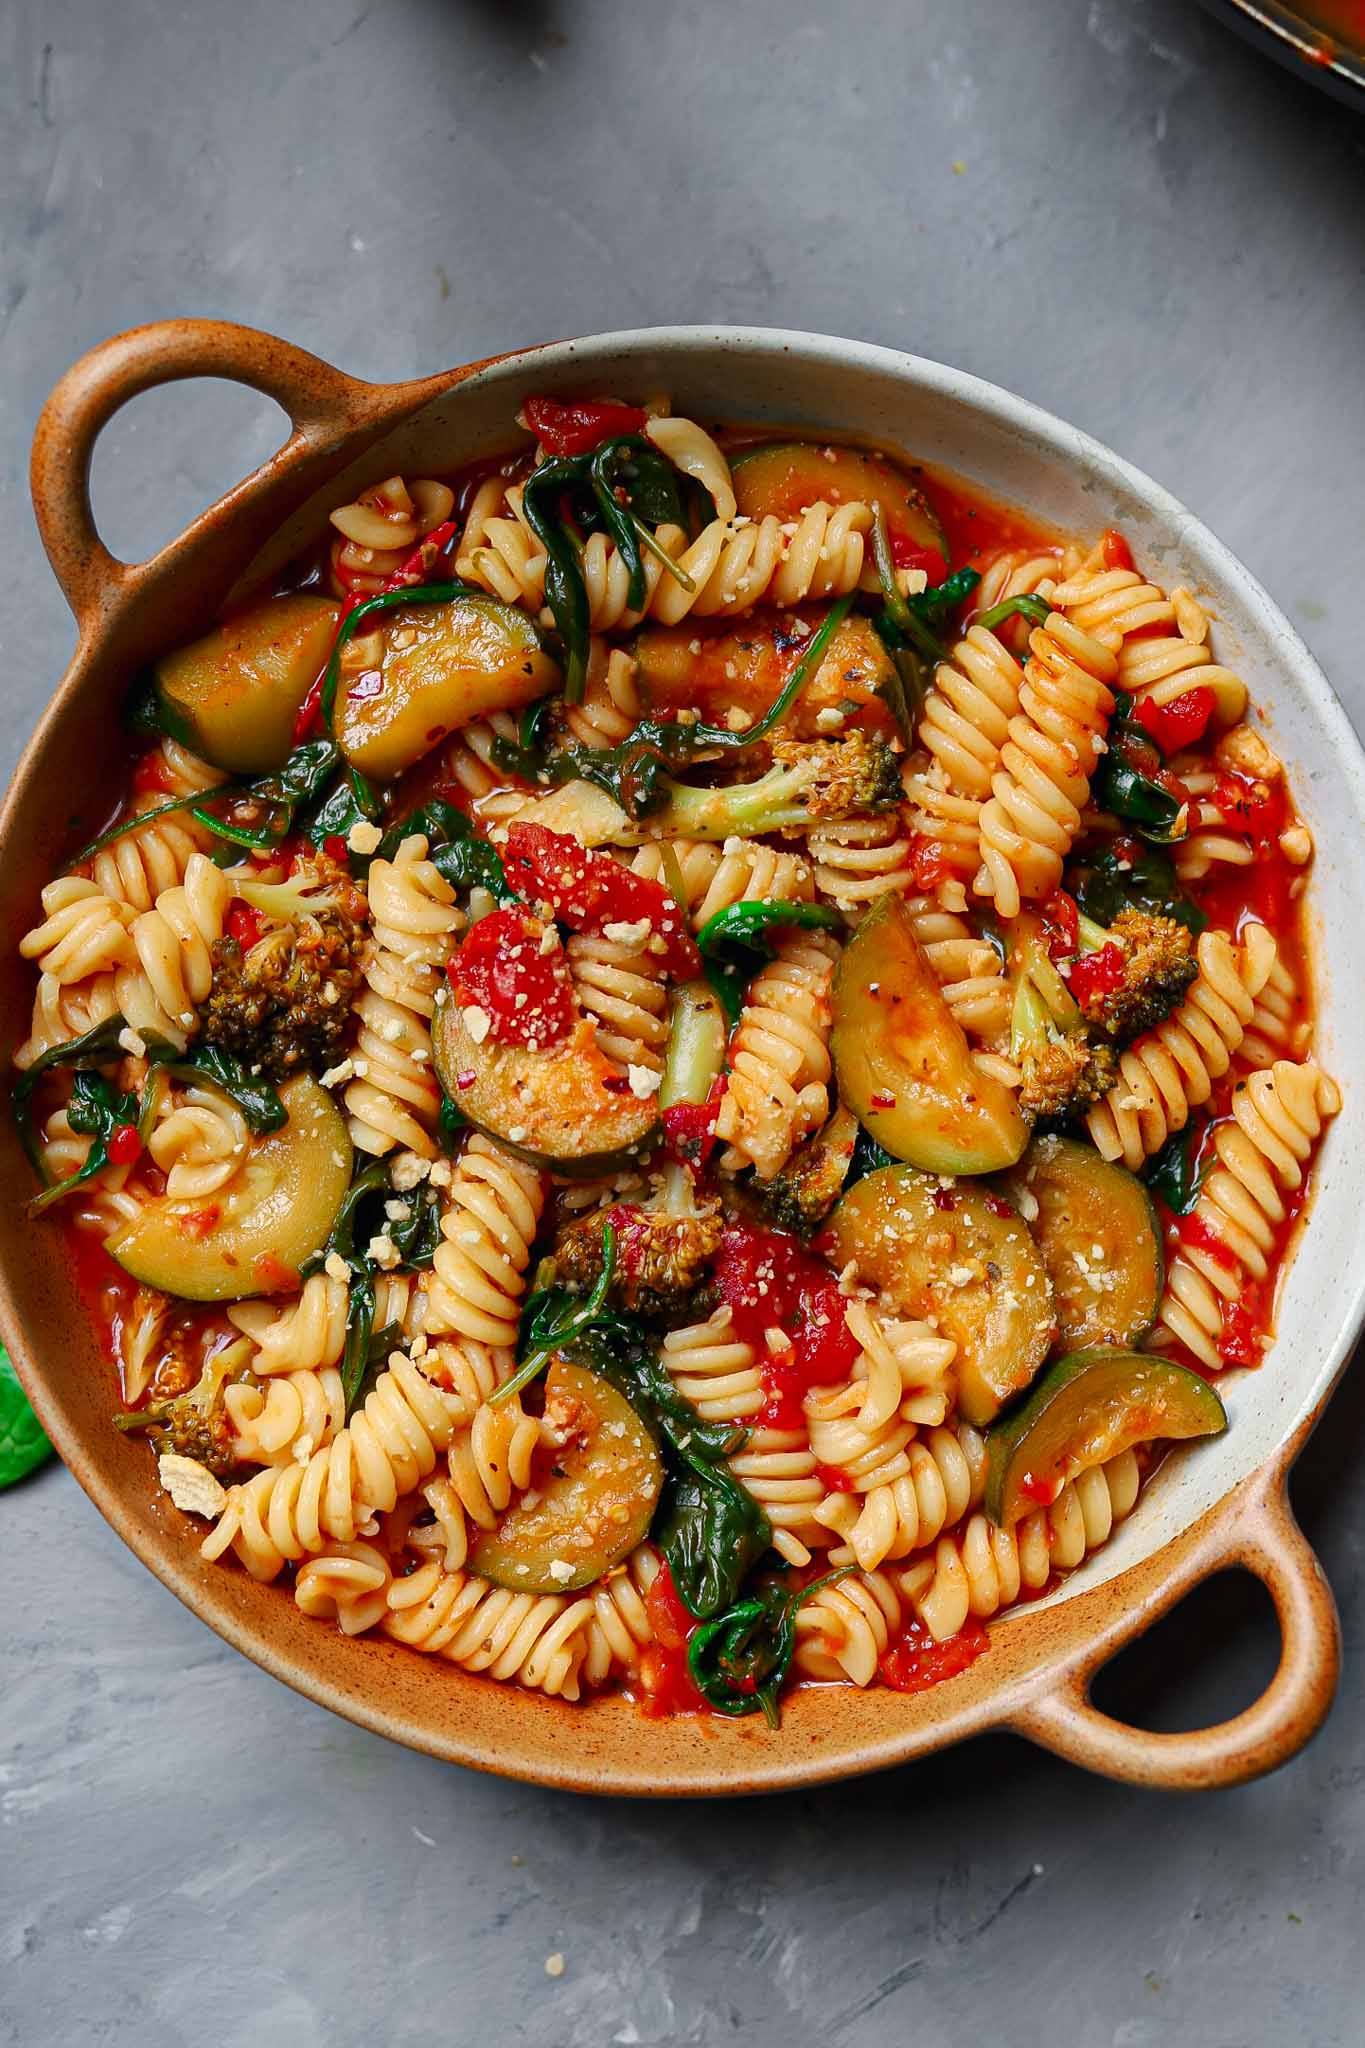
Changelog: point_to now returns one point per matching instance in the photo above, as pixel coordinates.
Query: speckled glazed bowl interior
(1221, 1504)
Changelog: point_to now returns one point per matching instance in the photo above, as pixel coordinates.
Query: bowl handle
(326, 409)
(1265, 1538)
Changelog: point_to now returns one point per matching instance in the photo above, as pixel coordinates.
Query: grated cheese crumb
(554, 1965)
(363, 837)
(644, 1082)
(335, 1267)
(334, 1076)
(191, 1485)
(477, 1023)
(623, 934)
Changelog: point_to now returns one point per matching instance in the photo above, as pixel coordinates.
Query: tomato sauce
(914, 1662)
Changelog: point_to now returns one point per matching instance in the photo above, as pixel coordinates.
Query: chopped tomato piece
(1097, 974)
(927, 860)
(590, 891)
(914, 1662)
(245, 925)
(772, 1282)
(503, 968)
(1061, 922)
(1181, 723)
(1116, 551)
(1245, 1333)
(690, 1128)
(1256, 808)
(335, 848)
(664, 1677)
(124, 1145)
(577, 426)
(153, 773)
(910, 554)
(834, 1479)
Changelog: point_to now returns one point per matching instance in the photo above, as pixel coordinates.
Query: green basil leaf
(23, 1446)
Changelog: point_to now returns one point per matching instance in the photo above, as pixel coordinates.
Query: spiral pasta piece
(175, 940)
(1276, 1031)
(1034, 810)
(377, 533)
(843, 1630)
(903, 1368)
(491, 1212)
(691, 449)
(777, 1092)
(1110, 604)
(488, 1462)
(713, 877)
(619, 1629)
(395, 1098)
(1164, 666)
(967, 713)
(388, 1447)
(200, 1141)
(538, 1640)
(347, 1583)
(302, 1335)
(859, 860)
(714, 1369)
(730, 567)
(611, 705)
(291, 1416)
(1262, 1155)
(945, 1479)
(1017, 572)
(1171, 1070)
(61, 1013)
(104, 1203)
(980, 1568)
(777, 1466)
(621, 985)
(83, 932)
(139, 864)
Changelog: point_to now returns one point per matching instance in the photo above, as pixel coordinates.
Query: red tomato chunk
(526, 993)
(1181, 723)
(915, 1661)
(577, 426)
(771, 1282)
(589, 891)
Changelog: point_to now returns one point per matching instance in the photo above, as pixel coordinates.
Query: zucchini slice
(1086, 1409)
(1098, 1233)
(234, 695)
(553, 1107)
(961, 1255)
(905, 1068)
(253, 1235)
(597, 1503)
(784, 477)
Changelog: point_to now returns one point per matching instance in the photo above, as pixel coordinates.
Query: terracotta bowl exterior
(1222, 1505)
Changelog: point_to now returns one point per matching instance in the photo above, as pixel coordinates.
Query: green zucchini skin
(1084, 1410)
(1100, 1239)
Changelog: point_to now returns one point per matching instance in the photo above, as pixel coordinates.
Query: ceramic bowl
(1222, 1504)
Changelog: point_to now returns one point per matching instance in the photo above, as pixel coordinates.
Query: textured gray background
(1113, 208)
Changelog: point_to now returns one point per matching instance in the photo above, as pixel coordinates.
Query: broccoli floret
(1157, 964)
(196, 1424)
(661, 1254)
(283, 1004)
(810, 782)
(1065, 1068)
(802, 1195)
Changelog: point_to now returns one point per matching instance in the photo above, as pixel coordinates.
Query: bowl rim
(1237, 1521)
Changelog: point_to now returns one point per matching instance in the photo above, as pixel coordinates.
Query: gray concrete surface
(1108, 205)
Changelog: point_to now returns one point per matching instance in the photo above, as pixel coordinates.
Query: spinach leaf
(1035, 609)
(96, 1110)
(23, 1446)
(451, 1122)
(913, 624)
(565, 593)
(736, 939)
(457, 851)
(353, 801)
(712, 1532)
(1176, 1173)
(636, 489)
(1126, 781)
(738, 1662)
(258, 1101)
(1142, 878)
(357, 1224)
(141, 818)
(280, 797)
(553, 1318)
(98, 1047)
